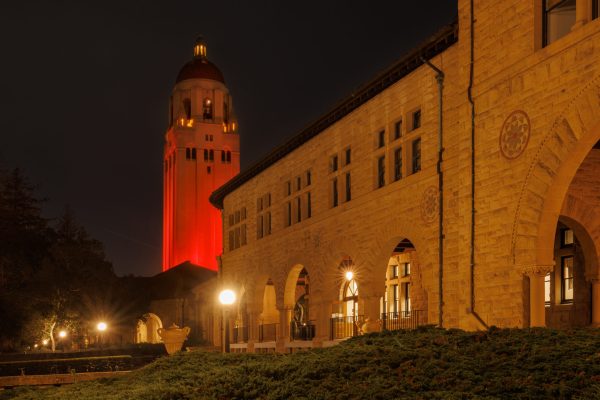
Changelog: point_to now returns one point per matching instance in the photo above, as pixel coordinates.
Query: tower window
(225, 112)
(223, 156)
(207, 109)
(208, 170)
(187, 153)
(211, 155)
(205, 155)
(193, 154)
(187, 108)
(228, 156)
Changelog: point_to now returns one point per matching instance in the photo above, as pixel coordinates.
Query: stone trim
(530, 270)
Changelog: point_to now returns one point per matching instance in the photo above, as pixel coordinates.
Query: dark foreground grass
(428, 363)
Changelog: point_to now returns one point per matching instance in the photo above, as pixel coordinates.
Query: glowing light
(62, 334)
(190, 123)
(101, 326)
(35, 346)
(349, 275)
(45, 342)
(227, 297)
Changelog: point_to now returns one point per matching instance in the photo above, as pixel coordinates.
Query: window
(348, 188)
(211, 155)
(333, 163)
(348, 154)
(381, 171)
(187, 153)
(288, 213)
(298, 183)
(558, 19)
(405, 269)
(225, 112)
(205, 155)
(595, 8)
(381, 139)
(237, 231)
(398, 129)
(207, 109)
(267, 225)
(416, 120)
(308, 206)
(308, 178)
(566, 263)
(223, 156)
(193, 154)
(187, 108)
(334, 193)
(259, 227)
(394, 271)
(228, 156)
(398, 164)
(288, 188)
(406, 298)
(416, 155)
(396, 299)
(547, 289)
(208, 170)
(298, 209)
(566, 238)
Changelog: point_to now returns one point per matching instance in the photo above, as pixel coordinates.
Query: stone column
(596, 302)
(537, 303)
(283, 335)
(582, 11)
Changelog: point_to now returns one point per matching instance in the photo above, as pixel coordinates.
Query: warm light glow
(45, 342)
(35, 346)
(101, 326)
(227, 297)
(190, 123)
(200, 50)
(349, 275)
(62, 334)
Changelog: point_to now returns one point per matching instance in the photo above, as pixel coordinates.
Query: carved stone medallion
(515, 134)
(429, 204)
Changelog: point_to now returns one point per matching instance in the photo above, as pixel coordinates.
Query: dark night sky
(84, 87)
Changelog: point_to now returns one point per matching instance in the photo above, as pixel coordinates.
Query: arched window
(225, 112)
(223, 156)
(205, 155)
(187, 107)
(228, 156)
(207, 108)
(211, 155)
(351, 298)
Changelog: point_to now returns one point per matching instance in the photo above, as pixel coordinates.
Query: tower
(201, 153)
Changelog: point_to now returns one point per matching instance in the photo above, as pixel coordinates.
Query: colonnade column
(285, 316)
(537, 302)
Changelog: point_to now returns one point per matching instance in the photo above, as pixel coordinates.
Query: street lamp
(101, 327)
(62, 334)
(349, 275)
(226, 298)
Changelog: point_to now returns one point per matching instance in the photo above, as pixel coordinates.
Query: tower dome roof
(200, 67)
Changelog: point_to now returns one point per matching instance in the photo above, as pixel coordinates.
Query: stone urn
(370, 326)
(173, 337)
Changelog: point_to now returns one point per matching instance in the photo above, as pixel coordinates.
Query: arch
(147, 328)
(555, 163)
(289, 296)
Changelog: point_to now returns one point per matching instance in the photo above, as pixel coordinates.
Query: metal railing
(267, 332)
(393, 321)
(302, 331)
(345, 327)
(240, 334)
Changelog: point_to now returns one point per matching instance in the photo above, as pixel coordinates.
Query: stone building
(459, 187)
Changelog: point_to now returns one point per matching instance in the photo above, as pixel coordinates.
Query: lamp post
(101, 327)
(226, 298)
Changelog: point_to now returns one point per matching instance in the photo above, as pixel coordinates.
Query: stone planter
(173, 337)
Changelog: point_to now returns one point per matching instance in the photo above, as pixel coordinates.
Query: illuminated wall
(201, 153)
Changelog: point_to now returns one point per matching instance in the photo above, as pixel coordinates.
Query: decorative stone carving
(535, 269)
(429, 204)
(173, 337)
(515, 134)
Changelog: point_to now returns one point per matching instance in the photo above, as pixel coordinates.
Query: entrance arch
(147, 329)
(296, 300)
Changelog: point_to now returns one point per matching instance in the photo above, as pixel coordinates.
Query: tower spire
(200, 48)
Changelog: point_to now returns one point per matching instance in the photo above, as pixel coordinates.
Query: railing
(240, 334)
(267, 332)
(393, 321)
(302, 331)
(345, 327)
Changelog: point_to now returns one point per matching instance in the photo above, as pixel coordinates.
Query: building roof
(436, 44)
(200, 68)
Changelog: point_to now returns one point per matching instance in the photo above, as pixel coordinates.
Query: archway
(404, 301)
(297, 304)
(269, 317)
(147, 329)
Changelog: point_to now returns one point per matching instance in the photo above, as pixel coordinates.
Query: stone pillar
(537, 303)
(253, 317)
(283, 335)
(596, 302)
(582, 11)
(322, 311)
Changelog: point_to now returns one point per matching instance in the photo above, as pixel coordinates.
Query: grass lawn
(427, 363)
